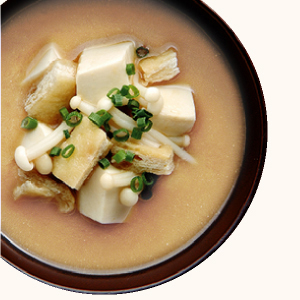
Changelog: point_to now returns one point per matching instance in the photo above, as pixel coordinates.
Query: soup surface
(185, 202)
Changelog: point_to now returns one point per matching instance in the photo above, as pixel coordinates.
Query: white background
(260, 260)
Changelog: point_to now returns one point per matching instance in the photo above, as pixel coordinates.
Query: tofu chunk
(178, 115)
(90, 143)
(159, 161)
(53, 92)
(99, 204)
(159, 68)
(41, 62)
(102, 68)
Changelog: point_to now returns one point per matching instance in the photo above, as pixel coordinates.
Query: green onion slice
(117, 100)
(133, 92)
(130, 69)
(133, 104)
(119, 156)
(147, 127)
(136, 184)
(104, 114)
(64, 112)
(29, 123)
(148, 179)
(124, 90)
(136, 133)
(121, 135)
(142, 52)
(141, 113)
(112, 92)
(74, 118)
(68, 151)
(103, 163)
(129, 156)
(66, 133)
(55, 151)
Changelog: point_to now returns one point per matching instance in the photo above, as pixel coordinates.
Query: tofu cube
(99, 204)
(90, 143)
(178, 115)
(41, 62)
(102, 68)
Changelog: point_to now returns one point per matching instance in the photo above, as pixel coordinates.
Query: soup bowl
(228, 54)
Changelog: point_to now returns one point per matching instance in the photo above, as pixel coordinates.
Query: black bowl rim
(234, 210)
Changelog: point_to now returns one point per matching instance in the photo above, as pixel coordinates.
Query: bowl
(222, 224)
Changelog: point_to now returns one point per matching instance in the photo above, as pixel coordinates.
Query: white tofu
(178, 112)
(99, 204)
(41, 62)
(102, 68)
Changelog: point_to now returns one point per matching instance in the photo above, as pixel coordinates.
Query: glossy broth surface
(184, 202)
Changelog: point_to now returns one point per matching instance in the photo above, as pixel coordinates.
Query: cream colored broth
(184, 202)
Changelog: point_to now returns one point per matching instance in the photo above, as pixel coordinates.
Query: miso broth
(184, 203)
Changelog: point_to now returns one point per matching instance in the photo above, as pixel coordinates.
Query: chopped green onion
(103, 163)
(66, 133)
(144, 124)
(121, 135)
(74, 118)
(136, 184)
(133, 104)
(104, 114)
(133, 92)
(55, 151)
(136, 133)
(124, 90)
(106, 127)
(117, 100)
(112, 92)
(142, 52)
(141, 122)
(64, 112)
(130, 69)
(148, 179)
(95, 118)
(29, 123)
(119, 156)
(147, 127)
(140, 113)
(68, 151)
(129, 156)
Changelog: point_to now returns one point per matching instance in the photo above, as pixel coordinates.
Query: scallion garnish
(130, 69)
(74, 118)
(119, 156)
(104, 114)
(103, 163)
(129, 156)
(64, 112)
(95, 118)
(148, 126)
(55, 151)
(112, 92)
(66, 133)
(133, 104)
(29, 123)
(121, 135)
(133, 92)
(142, 52)
(141, 113)
(124, 90)
(117, 100)
(148, 179)
(68, 151)
(136, 184)
(136, 133)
